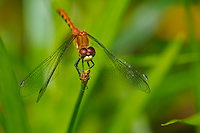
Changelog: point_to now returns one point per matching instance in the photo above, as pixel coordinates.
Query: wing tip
(148, 90)
(22, 83)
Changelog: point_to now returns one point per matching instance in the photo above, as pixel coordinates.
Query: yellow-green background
(159, 37)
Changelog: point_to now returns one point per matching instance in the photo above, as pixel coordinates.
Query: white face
(88, 58)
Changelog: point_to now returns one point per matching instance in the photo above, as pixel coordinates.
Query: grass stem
(76, 109)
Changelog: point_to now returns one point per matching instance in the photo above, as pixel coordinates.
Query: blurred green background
(159, 37)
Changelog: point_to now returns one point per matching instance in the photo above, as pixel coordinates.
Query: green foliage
(130, 28)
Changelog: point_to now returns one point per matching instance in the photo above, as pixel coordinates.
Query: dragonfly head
(86, 53)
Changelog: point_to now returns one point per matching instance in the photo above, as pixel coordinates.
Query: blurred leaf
(194, 47)
(167, 59)
(145, 21)
(110, 21)
(15, 120)
(2, 120)
(170, 86)
(193, 120)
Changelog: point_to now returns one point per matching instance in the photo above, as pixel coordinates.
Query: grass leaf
(193, 120)
(14, 120)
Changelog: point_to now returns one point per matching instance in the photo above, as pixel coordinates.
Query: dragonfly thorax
(81, 40)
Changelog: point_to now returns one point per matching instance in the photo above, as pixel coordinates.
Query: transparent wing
(121, 69)
(39, 78)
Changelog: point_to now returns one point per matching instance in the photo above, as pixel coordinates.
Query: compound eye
(83, 51)
(91, 51)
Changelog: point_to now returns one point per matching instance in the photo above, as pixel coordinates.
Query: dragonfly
(39, 78)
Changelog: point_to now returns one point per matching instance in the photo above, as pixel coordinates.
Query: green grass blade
(110, 22)
(76, 109)
(193, 120)
(15, 121)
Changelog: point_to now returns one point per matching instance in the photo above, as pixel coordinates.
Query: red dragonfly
(39, 78)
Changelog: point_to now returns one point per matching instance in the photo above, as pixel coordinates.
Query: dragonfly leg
(89, 64)
(77, 68)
